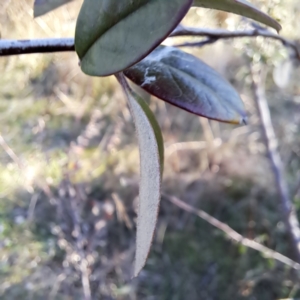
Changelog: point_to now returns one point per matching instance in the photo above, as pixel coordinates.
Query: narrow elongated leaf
(42, 7)
(240, 7)
(151, 168)
(112, 35)
(185, 81)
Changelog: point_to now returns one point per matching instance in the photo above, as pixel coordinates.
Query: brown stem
(16, 47)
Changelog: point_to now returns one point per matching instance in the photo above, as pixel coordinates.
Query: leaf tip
(35, 14)
(278, 27)
(137, 270)
(241, 120)
(275, 25)
(244, 120)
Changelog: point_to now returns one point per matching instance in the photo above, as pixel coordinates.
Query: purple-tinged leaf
(185, 81)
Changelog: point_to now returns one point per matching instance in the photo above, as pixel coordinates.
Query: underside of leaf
(188, 83)
(240, 7)
(112, 35)
(151, 167)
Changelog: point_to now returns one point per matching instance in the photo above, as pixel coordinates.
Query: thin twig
(32, 205)
(233, 234)
(10, 152)
(204, 42)
(215, 34)
(287, 207)
(79, 244)
(14, 47)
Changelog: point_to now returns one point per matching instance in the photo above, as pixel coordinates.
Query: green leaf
(240, 7)
(185, 81)
(151, 168)
(42, 7)
(112, 35)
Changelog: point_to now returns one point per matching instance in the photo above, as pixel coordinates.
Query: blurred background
(69, 172)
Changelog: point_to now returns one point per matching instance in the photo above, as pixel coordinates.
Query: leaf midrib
(198, 81)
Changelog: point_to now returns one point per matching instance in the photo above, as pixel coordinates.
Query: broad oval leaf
(240, 7)
(112, 35)
(42, 7)
(151, 168)
(185, 81)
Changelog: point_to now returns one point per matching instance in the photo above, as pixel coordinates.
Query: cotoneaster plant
(122, 38)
